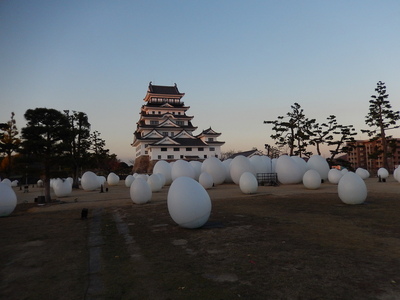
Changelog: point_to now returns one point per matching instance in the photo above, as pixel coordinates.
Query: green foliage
(9, 142)
(380, 119)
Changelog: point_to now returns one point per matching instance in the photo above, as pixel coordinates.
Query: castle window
(153, 122)
(212, 149)
(210, 139)
(176, 149)
(170, 157)
(164, 149)
(201, 149)
(188, 149)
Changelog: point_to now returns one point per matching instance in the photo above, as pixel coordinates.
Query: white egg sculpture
(90, 181)
(352, 189)
(206, 180)
(164, 168)
(227, 165)
(334, 176)
(162, 178)
(189, 204)
(215, 168)
(267, 162)
(128, 180)
(6, 181)
(62, 188)
(319, 164)
(8, 200)
(197, 168)
(288, 170)
(112, 179)
(344, 171)
(40, 183)
(238, 166)
(259, 164)
(14, 183)
(102, 180)
(312, 180)
(181, 168)
(363, 173)
(396, 174)
(248, 183)
(155, 182)
(140, 191)
(301, 163)
(383, 173)
(274, 161)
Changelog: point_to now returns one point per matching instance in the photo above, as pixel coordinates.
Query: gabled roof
(161, 89)
(154, 134)
(168, 123)
(166, 141)
(249, 153)
(209, 132)
(184, 134)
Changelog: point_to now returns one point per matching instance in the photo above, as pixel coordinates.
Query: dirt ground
(283, 242)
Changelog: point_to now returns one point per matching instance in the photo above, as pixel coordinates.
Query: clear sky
(239, 62)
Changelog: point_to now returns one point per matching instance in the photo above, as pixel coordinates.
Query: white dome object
(112, 179)
(227, 165)
(312, 180)
(155, 182)
(128, 180)
(288, 170)
(40, 183)
(164, 168)
(8, 200)
(259, 164)
(162, 178)
(383, 173)
(344, 171)
(6, 181)
(215, 168)
(238, 166)
(319, 164)
(206, 180)
(396, 174)
(62, 188)
(248, 183)
(189, 204)
(274, 161)
(352, 189)
(90, 181)
(334, 176)
(70, 180)
(197, 168)
(301, 163)
(14, 183)
(181, 168)
(102, 180)
(363, 173)
(140, 191)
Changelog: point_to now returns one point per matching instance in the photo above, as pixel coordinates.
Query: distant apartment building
(164, 130)
(360, 157)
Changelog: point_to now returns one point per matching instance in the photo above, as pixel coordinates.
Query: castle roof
(167, 90)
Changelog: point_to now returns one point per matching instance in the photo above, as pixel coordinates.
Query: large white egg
(189, 204)
(267, 162)
(206, 180)
(102, 180)
(181, 168)
(334, 176)
(238, 166)
(140, 191)
(248, 183)
(128, 180)
(383, 173)
(8, 200)
(301, 163)
(312, 180)
(90, 181)
(164, 168)
(112, 179)
(288, 170)
(215, 168)
(363, 173)
(259, 164)
(155, 182)
(40, 183)
(6, 181)
(62, 188)
(227, 165)
(352, 189)
(197, 168)
(14, 183)
(396, 174)
(319, 164)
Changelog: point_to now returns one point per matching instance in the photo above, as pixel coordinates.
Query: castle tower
(164, 130)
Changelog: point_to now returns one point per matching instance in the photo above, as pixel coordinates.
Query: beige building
(359, 157)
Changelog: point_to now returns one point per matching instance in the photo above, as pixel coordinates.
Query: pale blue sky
(239, 62)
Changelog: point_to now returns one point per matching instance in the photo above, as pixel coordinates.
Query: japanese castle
(164, 131)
